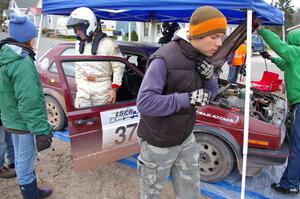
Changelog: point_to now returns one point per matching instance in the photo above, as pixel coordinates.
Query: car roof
(145, 48)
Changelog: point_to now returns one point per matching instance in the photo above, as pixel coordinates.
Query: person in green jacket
(289, 62)
(23, 110)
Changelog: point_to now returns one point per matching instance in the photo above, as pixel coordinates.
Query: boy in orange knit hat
(167, 100)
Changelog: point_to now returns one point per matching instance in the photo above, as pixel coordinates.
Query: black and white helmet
(165, 28)
(84, 19)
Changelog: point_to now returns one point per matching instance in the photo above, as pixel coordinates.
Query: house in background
(23, 7)
(6, 14)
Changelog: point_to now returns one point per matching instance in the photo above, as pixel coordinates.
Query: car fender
(57, 96)
(226, 137)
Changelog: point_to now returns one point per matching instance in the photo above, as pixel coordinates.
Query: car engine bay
(264, 106)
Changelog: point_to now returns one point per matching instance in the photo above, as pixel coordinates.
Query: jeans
(233, 73)
(6, 148)
(25, 153)
(291, 175)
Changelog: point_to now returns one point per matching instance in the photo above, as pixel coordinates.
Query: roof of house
(36, 11)
(26, 3)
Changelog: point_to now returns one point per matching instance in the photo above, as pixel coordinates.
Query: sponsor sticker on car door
(119, 125)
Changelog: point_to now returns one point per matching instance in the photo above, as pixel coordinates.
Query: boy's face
(208, 45)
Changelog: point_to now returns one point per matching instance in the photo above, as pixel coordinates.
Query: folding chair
(270, 82)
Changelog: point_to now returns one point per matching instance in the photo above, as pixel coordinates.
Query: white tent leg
(129, 31)
(247, 101)
(139, 25)
(149, 31)
(283, 33)
(39, 35)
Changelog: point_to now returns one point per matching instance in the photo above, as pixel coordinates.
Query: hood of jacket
(294, 37)
(181, 34)
(10, 51)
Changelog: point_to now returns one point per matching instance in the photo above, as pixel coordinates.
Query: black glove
(199, 97)
(204, 67)
(265, 54)
(243, 70)
(255, 24)
(43, 141)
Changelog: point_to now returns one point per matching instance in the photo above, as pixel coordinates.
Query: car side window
(89, 87)
(69, 69)
(53, 68)
(68, 51)
(138, 60)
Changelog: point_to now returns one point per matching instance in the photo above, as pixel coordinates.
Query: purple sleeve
(212, 86)
(151, 101)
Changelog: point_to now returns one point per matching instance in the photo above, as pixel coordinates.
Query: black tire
(55, 113)
(216, 159)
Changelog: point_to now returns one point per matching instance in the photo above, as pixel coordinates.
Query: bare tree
(288, 9)
(296, 19)
(3, 5)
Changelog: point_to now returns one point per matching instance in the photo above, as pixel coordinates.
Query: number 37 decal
(119, 125)
(125, 133)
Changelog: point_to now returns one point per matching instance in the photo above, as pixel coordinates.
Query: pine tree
(288, 9)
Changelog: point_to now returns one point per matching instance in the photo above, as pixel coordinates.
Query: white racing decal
(119, 125)
(230, 120)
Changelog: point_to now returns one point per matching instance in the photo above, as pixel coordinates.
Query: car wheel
(216, 158)
(56, 115)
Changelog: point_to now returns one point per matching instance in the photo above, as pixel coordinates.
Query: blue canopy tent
(236, 12)
(166, 10)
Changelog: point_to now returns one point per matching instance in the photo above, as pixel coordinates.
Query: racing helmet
(174, 27)
(165, 28)
(84, 19)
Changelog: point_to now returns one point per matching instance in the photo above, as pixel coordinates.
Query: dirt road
(54, 169)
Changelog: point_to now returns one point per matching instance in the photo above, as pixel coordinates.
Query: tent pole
(129, 31)
(138, 24)
(283, 33)
(149, 31)
(39, 36)
(247, 100)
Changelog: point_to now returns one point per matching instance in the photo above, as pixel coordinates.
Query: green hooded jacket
(22, 103)
(288, 60)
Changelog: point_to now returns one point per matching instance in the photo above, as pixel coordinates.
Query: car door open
(104, 133)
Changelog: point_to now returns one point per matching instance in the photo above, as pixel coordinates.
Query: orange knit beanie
(205, 21)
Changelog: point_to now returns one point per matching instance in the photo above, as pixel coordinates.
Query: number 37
(123, 131)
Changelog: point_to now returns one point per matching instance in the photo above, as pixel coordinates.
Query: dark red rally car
(106, 133)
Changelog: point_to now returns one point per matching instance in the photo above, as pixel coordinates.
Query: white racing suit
(94, 79)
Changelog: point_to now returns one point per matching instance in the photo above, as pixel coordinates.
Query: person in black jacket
(168, 31)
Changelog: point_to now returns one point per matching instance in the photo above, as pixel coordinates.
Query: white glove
(200, 97)
(205, 68)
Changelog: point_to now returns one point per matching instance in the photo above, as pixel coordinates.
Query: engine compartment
(264, 106)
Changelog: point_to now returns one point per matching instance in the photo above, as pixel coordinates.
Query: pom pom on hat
(21, 28)
(205, 21)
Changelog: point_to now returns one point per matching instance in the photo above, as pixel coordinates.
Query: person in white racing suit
(97, 82)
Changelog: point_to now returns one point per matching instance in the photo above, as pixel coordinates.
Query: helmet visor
(78, 24)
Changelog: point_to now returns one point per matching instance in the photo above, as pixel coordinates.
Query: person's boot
(278, 188)
(29, 191)
(11, 165)
(44, 192)
(7, 173)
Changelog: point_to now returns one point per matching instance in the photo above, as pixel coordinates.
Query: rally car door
(105, 133)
